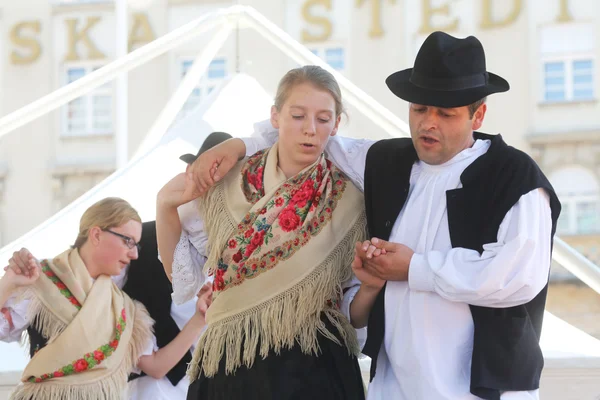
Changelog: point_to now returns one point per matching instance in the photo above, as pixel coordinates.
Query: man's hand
(22, 269)
(178, 191)
(213, 164)
(385, 260)
(365, 277)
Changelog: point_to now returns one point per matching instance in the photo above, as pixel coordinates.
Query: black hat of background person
(211, 140)
(448, 72)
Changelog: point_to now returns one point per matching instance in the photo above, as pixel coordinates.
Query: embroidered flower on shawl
(89, 360)
(64, 290)
(298, 211)
(80, 365)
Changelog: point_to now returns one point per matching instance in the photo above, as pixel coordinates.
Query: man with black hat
(462, 227)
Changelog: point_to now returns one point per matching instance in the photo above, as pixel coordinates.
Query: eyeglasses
(129, 242)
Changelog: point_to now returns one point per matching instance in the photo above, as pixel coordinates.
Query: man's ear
(479, 116)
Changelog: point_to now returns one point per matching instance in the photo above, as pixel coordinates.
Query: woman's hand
(213, 164)
(22, 270)
(367, 279)
(204, 301)
(179, 190)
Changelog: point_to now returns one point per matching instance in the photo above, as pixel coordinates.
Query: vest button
(387, 224)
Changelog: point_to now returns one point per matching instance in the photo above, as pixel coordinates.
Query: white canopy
(233, 107)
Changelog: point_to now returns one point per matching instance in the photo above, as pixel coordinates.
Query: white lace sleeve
(350, 289)
(190, 255)
(11, 330)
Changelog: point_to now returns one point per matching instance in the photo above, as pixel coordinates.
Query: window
(216, 73)
(332, 55)
(568, 80)
(91, 114)
(567, 54)
(579, 193)
(583, 82)
(554, 73)
(587, 216)
(579, 215)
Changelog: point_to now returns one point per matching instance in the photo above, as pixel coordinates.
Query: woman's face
(113, 252)
(306, 121)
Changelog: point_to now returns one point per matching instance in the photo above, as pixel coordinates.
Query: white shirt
(428, 340)
(148, 388)
(143, 388)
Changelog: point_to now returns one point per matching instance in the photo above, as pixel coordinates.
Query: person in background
(85, 334)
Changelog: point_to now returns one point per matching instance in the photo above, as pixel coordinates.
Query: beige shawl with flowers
(96, 334)
(280, 251)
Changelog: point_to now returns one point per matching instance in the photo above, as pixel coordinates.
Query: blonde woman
(281, 232)
(85, 335)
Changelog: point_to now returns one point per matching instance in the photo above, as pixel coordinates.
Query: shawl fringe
(108, 387)
(293, 316)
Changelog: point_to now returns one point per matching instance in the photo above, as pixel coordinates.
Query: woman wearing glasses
(85, 334)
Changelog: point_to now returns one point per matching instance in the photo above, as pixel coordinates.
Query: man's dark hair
(474, 106)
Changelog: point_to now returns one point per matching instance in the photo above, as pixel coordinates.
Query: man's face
(439, 134)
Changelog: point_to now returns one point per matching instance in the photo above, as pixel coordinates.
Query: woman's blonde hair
(105, 214)
(314, 75)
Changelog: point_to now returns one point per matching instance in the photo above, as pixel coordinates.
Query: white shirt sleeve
(190, 255)
(509, 272)
(350, 289)
(348, 154)
(18, 313)
(150, 348)
(263, 137)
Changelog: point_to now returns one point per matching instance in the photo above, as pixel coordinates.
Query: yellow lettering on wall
(325, 23)
(376, 29)
(141, 31)
(564, 15)
(488, 22)
(429, 11)
(30, 43)
(74, 36)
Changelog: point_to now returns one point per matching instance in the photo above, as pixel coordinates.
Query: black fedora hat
(211, 140)
(448, 72)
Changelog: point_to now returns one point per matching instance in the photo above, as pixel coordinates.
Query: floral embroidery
(89, 360)
(64, 290)
(298, 211)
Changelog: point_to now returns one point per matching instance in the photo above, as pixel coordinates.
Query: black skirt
(290, 375)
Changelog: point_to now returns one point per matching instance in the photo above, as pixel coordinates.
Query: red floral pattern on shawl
(298, 211)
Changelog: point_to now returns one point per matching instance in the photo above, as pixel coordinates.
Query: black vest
(148, 283)
(37, 341)
(506, 351)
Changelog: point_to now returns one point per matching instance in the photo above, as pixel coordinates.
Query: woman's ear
(274, 117)
(94, 235)
(337, 125)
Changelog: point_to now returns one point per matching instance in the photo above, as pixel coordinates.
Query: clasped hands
(377, 261)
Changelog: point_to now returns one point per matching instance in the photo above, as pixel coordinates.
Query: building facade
(547, 49)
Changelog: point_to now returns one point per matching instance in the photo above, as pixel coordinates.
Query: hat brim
(399, 83)
(188, 158)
